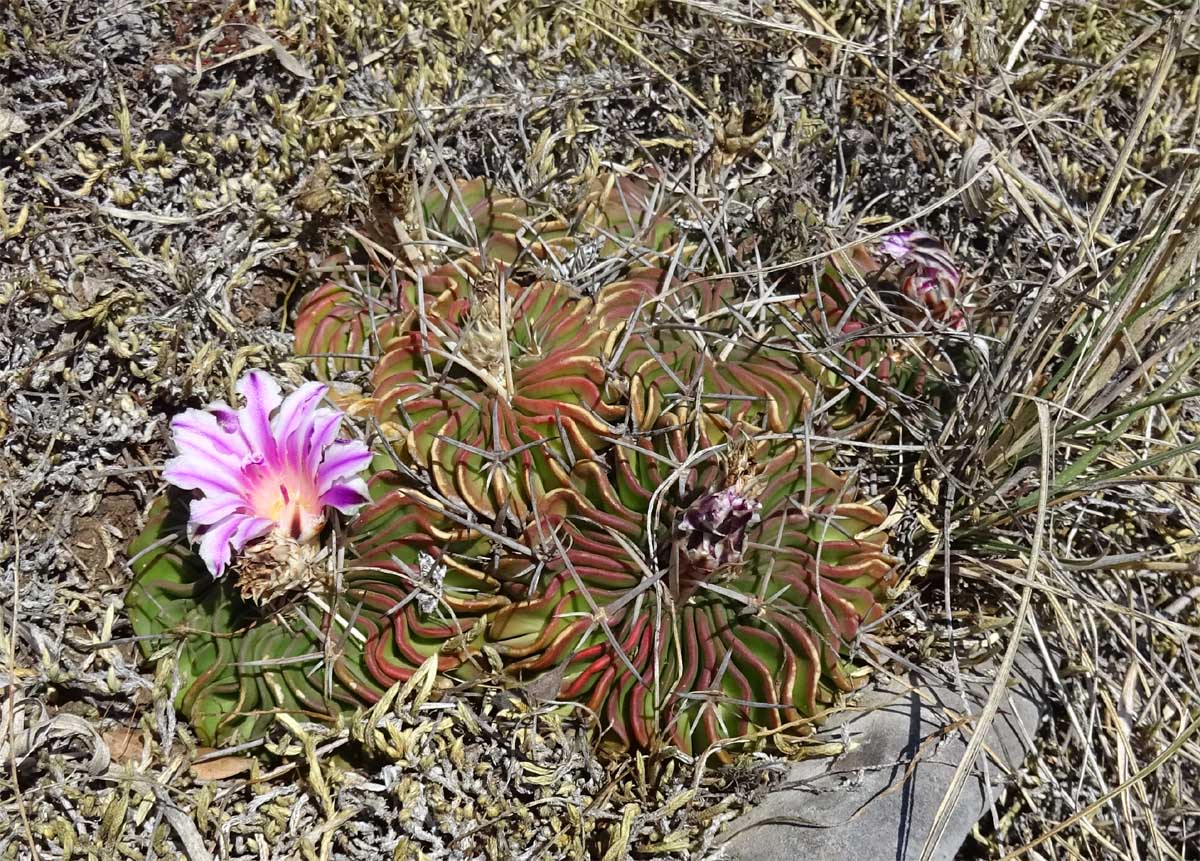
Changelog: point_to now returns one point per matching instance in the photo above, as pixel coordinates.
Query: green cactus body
(374, 291)
(691, 651)
(702, 351)
(496, 403)
(238, 663)
(599, 490)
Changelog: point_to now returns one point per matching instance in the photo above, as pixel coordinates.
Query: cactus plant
(597, 490)
(239, 662)
(502, 386)
(696, 598)
(703, 350)
(725, 603)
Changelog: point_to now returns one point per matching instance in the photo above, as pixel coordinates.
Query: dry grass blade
(1165, 64)
(983, 723)
(1158, 762)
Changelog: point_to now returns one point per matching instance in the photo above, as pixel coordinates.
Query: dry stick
(735, 17)
(1042, 8)
(1105, 72)
(1000, 685)
(1121, 731)
(1111, 359)
(691, 97)
(1165, 61)
(185, 829)
(1108, 356)
(89, 104)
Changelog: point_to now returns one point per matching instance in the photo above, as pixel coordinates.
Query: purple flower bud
(712, 531)
(916, 246)
(930, 277)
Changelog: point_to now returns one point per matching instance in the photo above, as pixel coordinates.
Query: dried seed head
(485, 342)
(277, 565)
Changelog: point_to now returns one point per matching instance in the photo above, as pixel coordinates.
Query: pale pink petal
(209, 510)
(199, 425)
(898, 245)
(228, 537)
(343, 459)
(294, 419)
(251, 528)
(325, 426)
(226, 416)
(347, 497)
(262, 396)
(917, 246)
(195, 472)
(201, 446)
(255, 471)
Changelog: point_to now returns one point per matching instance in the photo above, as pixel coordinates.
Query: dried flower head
(267, 471)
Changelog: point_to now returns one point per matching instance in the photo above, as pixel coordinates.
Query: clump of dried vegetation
(170, 172)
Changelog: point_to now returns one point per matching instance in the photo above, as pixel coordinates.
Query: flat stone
(879, 799)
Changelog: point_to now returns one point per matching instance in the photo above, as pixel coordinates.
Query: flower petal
(194, 471)
(226, 416)
(201, 429)
(294, 419)
(209, 510)
(897, 245)
(347, 497)
(212, 451)
(262, 396)
(325, 426)
(228, 537)
(343, 459)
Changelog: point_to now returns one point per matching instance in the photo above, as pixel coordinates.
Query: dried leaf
(11, 124)
(221, 768)
(30, 732)
(285, 58)
(125, 744)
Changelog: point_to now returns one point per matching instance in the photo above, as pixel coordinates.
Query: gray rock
(878, 800)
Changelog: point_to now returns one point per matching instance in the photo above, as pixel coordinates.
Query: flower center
(292, 504)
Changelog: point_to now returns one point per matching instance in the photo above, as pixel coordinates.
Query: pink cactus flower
(930, 277)
(269, 470)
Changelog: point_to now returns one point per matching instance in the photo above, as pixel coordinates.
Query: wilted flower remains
(930, 277)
